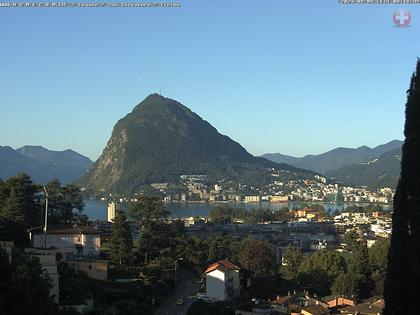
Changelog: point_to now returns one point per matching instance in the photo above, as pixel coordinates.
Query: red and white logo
(402, 18)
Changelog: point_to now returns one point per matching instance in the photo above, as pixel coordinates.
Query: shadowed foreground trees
(23, 287)
(402, 290)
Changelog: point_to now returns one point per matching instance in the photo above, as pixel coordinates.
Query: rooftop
(222, 265)
(68, 231)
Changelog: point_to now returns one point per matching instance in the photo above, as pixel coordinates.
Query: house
(279, 198)
(316, 309)
(252, 198)
(340, 302)
(79, 242)
(222, 280)
(95, 269)
(299, 303)
(364, 308)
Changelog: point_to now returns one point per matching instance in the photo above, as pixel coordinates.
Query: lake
(97, 209)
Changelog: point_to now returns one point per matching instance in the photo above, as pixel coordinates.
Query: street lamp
(176, 261)
(46, 216)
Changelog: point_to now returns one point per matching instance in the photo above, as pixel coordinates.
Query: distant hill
(162, 139)
(42, 164)
(336, 158)
(383, 171)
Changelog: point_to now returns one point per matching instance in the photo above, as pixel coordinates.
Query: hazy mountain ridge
(162, 139)
(336, 158)
(383, 171)
(42, 164)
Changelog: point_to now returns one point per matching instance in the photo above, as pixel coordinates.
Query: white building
(222, 280)
(69, 241)
(112, 211)
(252, 198)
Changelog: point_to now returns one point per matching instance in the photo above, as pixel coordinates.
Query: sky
(290, 76)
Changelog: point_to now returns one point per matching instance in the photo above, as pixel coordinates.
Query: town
(198, 188)
(285, 261)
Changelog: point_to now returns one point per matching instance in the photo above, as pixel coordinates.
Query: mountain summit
(162, 139)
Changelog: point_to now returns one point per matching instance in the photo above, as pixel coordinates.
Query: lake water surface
(97, 209)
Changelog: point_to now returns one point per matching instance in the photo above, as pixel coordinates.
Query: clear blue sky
(294, 77)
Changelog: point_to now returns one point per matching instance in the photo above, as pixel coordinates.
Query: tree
(62, 201)
(223, 247)
(348, 284)
(194, 252)
(121, 242)
(292, 258)
(20, 201)
(378, 254)
(351, 240)
(213, 252)
(330, 261)
(258, 257)
(316, 280)
(402, 290)
(147, 209)
(157, 236)
(318, 272)
(24, 287)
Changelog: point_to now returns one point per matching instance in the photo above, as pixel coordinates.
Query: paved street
(187, 288)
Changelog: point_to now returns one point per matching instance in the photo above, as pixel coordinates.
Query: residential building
(69, 241)
(112, 211)
(95, 269)
(279, 198)
(364, 308)
(222, 280)
(315, 310)
(252, 198)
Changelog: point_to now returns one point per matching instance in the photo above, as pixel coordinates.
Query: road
(186, 289)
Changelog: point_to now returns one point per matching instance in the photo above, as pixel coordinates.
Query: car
(179, 302)
(205, 298)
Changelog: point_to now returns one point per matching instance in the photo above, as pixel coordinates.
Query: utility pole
(45, 216)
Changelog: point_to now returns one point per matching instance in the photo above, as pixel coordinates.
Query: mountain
(336, 158)
(42, 164)
(383, 171)
(162, 139)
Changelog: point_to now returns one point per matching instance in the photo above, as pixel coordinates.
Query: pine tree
(402, 291)
(121, 242)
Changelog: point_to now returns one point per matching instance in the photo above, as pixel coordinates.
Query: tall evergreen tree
(121, 242)
(402, 291)
(20, 201)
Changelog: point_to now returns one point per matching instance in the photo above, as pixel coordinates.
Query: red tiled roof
(222, 265)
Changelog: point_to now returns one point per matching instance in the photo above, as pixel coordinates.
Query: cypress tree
(402, 286)
(121, 242)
